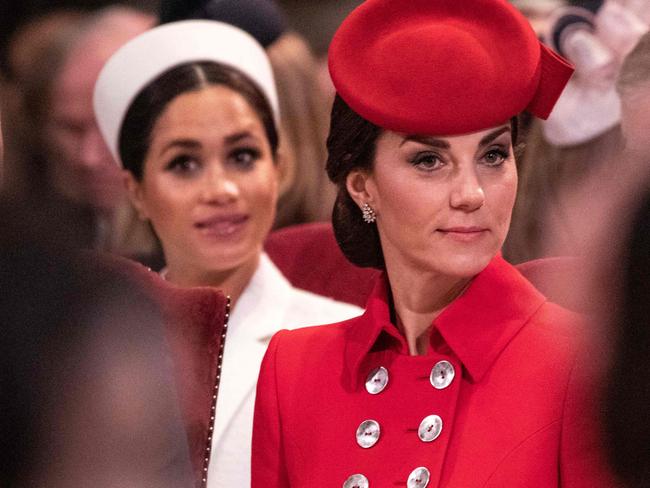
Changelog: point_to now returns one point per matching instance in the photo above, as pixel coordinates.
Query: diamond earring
(369, 215)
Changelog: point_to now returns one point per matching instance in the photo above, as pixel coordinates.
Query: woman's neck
(231, 282)
(419, 297)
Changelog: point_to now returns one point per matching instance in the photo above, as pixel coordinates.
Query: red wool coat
(513, 401)
(194, 321)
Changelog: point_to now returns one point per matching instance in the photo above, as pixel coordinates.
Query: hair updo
(351, 145)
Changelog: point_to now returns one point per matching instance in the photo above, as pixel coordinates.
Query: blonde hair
(548, 174)
(635, 71)
(306, 194)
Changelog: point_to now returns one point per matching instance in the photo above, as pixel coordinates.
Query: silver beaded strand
(215, 392)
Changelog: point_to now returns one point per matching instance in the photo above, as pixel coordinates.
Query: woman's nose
(219, 188)
(467, 193)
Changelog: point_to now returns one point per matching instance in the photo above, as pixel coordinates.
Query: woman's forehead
(212, 106)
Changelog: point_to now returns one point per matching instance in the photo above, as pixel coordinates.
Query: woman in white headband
(189, 109)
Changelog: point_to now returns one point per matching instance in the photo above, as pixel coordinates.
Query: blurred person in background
(82, 169)
(38, 42)
(627, 389)
(88, 396)
(633, 86)
(569, 156)
(190, 111)
(54, 148)
(306, 195)
(543, 221)
(615, 281)
(1, 150)
(537, 12)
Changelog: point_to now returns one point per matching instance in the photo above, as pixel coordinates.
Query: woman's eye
(245, 157)
(426, 161)
(495, 157)
(183, 165)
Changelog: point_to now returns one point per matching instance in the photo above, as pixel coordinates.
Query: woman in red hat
(459, 373)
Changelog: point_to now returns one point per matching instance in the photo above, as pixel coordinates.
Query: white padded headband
(149, 55)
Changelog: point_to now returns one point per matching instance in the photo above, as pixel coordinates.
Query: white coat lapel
(259, 313)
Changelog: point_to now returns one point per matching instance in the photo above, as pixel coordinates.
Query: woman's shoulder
(312, 340)
(559, 334)
(557, 320)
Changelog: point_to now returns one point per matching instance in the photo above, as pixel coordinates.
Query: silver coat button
(368, 433)
(430, 428)
(442, 375)
(419, 478)
(377, 380)
(356, 481)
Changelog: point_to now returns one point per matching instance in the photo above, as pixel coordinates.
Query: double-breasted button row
(442, 375)
(419, 478)
(369, 431)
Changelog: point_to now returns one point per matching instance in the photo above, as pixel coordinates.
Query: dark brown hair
(135, 133)
(351, 145)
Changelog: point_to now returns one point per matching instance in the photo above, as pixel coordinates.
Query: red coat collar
(476, 326)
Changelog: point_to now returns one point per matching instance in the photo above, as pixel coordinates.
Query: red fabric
(310, 258)
(519, 413)
(556, 277)
(443, 67)
(194, 322)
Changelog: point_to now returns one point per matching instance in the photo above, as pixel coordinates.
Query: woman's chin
(463, 265)
(219, 261)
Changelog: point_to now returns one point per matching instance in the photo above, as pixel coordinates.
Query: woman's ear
(357, 185)
(134, 191)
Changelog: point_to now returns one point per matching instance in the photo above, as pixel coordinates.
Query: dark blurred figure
(53, 148)
(306, 195)
(88, 397)
(628, 388)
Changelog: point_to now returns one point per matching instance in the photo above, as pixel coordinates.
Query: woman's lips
(222, 225)
(464, 234)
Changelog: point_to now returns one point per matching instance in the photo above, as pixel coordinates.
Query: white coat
(269, 303)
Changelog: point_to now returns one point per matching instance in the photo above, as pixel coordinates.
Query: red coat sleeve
(582, 460)
(268, 463)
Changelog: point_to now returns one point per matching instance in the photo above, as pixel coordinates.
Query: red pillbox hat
(443, 67)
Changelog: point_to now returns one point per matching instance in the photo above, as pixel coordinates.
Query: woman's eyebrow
(428, 140)
(442, 144)
(183, 143)
(494, 134)
(238, 136)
